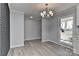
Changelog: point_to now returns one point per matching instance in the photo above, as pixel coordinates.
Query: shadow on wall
(4, 29)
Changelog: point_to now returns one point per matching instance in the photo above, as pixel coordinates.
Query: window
(63, 25)
(66, 26)
(69, 24)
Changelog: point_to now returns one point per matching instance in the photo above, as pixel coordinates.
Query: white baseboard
(17, 46)
(31, 39)
(57, 43)
(44, 40)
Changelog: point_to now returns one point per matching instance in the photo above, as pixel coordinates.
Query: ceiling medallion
(46, 13)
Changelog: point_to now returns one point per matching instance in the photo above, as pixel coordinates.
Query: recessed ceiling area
(34, 9)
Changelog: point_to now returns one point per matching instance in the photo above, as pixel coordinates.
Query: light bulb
(47, 15)
(50, 12)
(44, 12)
(41, 13)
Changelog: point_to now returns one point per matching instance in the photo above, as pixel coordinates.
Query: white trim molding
(32, 39)
(56, 43)
(17, 46)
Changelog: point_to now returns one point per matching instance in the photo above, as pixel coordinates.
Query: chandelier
(47, 12)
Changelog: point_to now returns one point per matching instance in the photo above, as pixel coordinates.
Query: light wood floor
(37, 48)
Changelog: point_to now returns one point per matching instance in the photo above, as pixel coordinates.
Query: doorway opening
(66, 31)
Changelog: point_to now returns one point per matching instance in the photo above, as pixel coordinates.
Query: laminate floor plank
(38, 48)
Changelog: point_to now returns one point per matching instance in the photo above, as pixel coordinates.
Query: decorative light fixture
(47, 12)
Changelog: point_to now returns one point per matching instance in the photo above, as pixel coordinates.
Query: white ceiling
(34, 9)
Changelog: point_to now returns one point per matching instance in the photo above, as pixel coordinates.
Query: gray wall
(46, 29)
(32, 29)
(54, 30)
(4, 29)
(16, 28)
(77, 21)
(0, 29)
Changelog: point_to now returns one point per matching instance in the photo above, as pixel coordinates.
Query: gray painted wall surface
(0, 29)
(16, 28)
(77, 20)
(4, 29)
(46, 29)
(32, 29)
